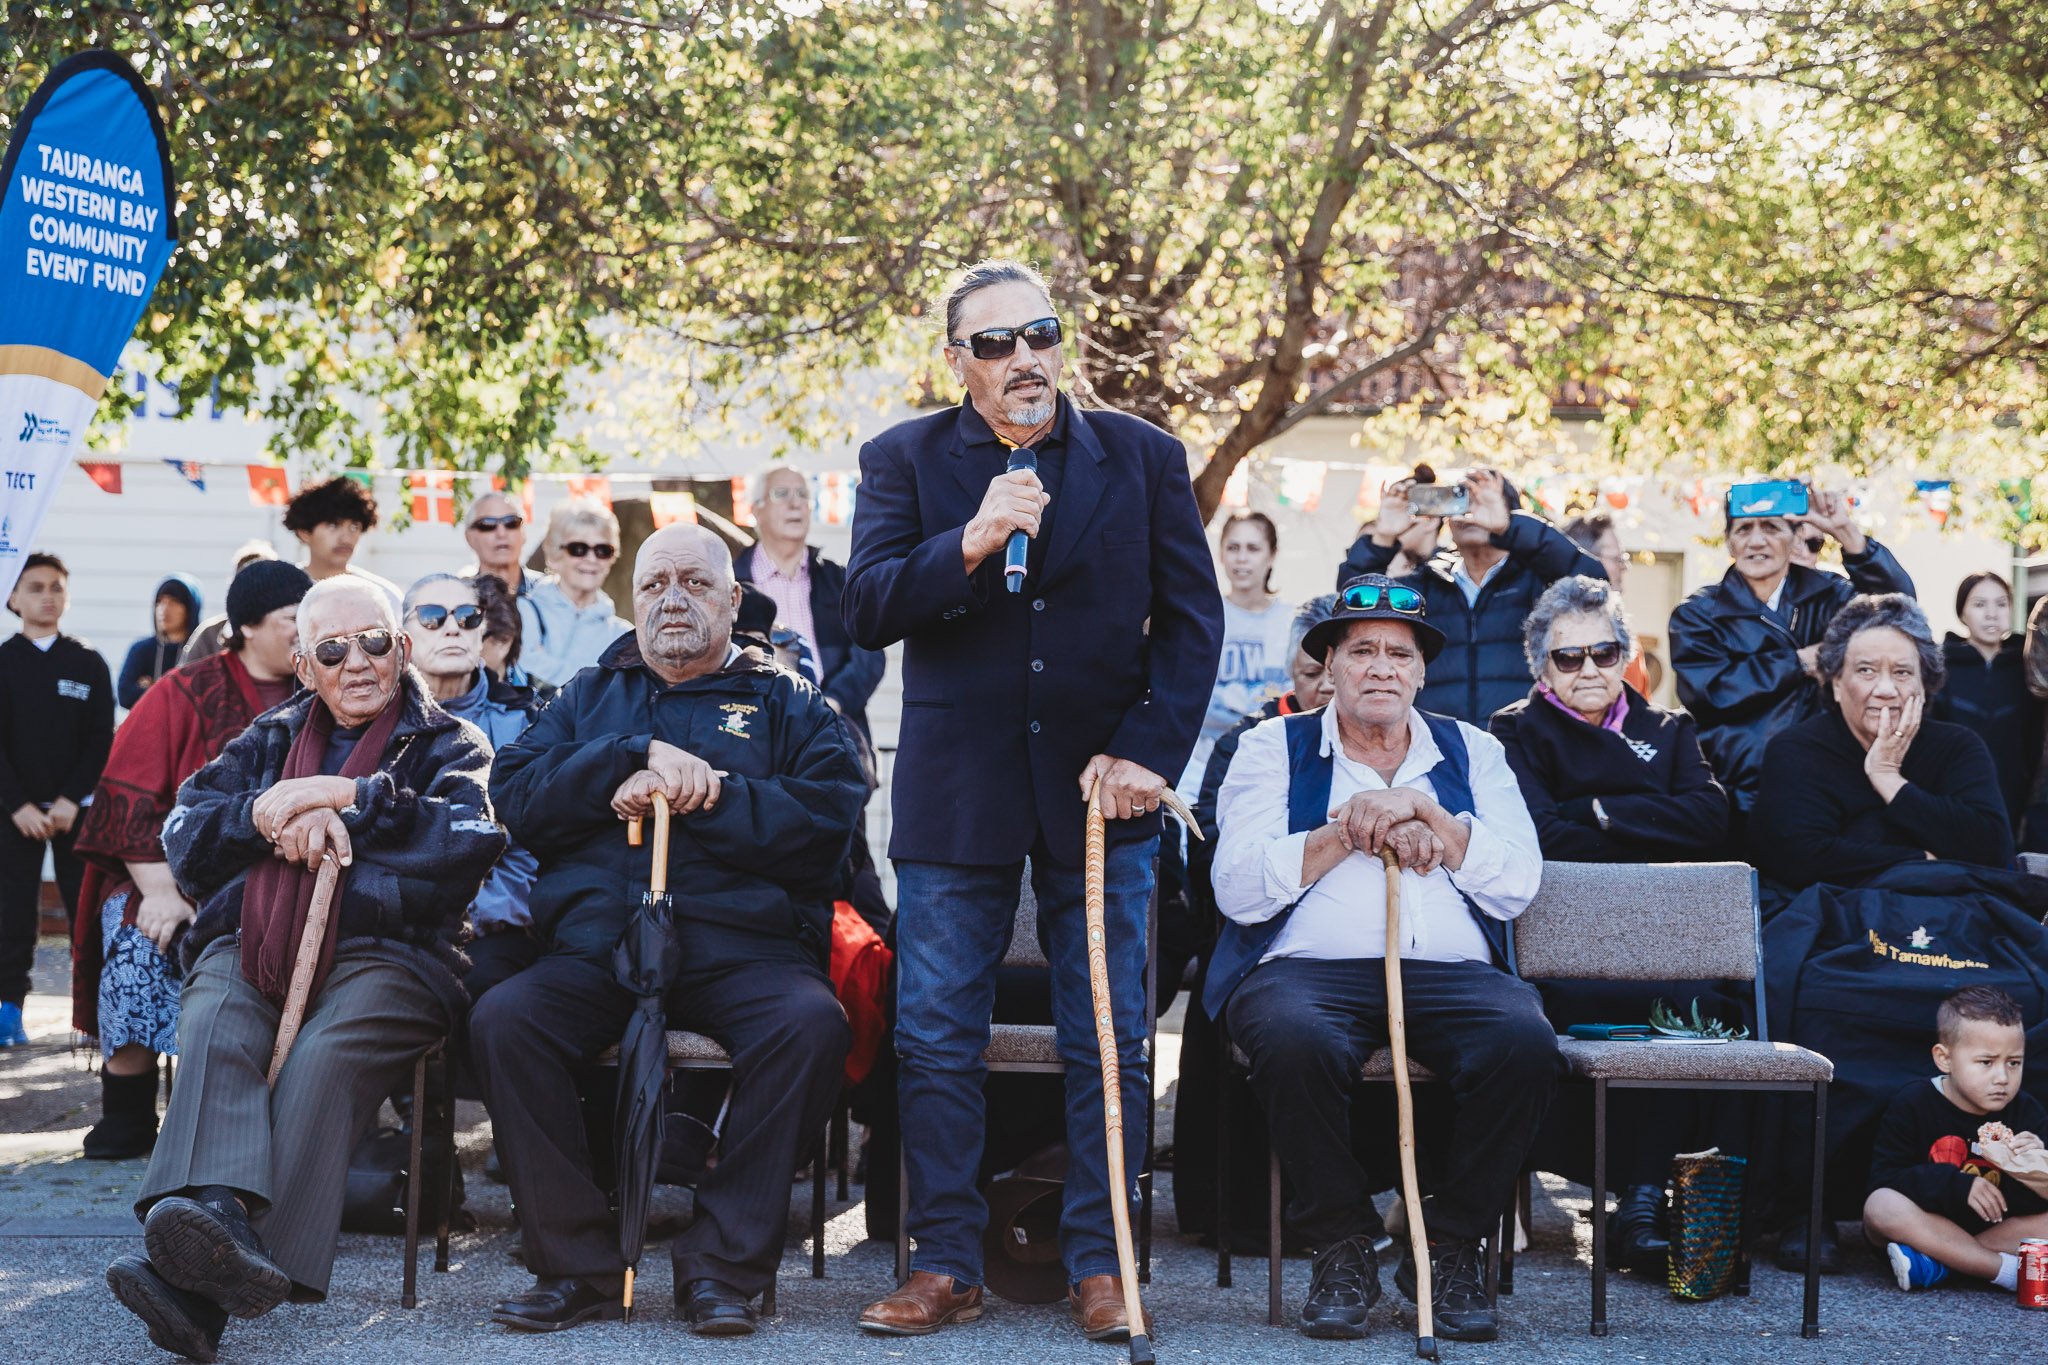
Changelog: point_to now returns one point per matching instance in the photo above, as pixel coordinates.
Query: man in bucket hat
(1299, 972)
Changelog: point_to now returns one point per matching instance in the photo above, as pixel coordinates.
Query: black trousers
(532, 1034)
(1308, 1026)
(21, 896)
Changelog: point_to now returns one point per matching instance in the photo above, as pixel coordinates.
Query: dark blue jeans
(953, 927)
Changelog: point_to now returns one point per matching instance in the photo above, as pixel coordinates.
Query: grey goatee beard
(1031, 416)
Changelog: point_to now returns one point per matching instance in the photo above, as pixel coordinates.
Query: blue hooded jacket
(153, 656)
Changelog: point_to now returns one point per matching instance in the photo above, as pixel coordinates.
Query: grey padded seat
(1588, 1060)
(1013, 1043)
(694, 1047)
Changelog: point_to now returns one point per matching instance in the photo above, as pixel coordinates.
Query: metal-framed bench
(1656, 922)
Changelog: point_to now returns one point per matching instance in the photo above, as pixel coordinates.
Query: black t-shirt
(1925, 1151)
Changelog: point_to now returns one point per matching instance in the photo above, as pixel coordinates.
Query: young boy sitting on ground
(1958, 1176)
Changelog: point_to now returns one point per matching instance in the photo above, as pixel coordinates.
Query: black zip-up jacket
(1737, 666)
(1990, 697)
(56, 721)
(753, 877)
(1482, 667)
(420, 831)
(1660, 797)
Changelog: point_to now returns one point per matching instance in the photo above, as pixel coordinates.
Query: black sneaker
(1342, 1288)
(179, 1321)
(1459, 1305)
(205, 1244)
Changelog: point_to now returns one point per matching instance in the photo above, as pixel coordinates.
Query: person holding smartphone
(1479, 596)
(1745, 649)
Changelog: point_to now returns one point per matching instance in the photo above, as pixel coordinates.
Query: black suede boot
(1636, 1229)
(127, 1126)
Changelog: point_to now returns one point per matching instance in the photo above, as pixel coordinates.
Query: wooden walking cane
(1094, 860)
(301, 987)
(1404, 1105)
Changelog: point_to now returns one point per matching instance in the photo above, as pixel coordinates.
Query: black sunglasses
(998, 342)
(1571, 660)
(576, 549)
(333, 653)
(1367, 596)
(505, 523)
(433, 616)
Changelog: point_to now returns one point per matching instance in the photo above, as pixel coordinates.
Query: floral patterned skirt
(138, 986)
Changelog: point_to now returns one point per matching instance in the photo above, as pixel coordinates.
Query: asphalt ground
(63, 1218)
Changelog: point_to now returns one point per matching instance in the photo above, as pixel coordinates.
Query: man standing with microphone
(1094, 663)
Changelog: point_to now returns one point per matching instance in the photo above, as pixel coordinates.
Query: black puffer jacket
(753, 878)
(421, 831)
(1738, 667)
(1482, 667)
(1991, 698)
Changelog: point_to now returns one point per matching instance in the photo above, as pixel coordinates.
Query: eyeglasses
(1571, 660)
(333, 653)
(433, 616)
(789, 492)
(1367, 596)
(998, 342)
(505, 523)
(576, 549)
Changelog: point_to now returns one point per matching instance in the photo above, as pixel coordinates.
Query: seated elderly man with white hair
(243, 1197)
(1309, 803)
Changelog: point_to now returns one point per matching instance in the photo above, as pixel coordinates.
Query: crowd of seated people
(1480, 712)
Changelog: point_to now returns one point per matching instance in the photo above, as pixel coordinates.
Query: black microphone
(1023, 457)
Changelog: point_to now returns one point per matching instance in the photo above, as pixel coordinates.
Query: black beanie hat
(261, 589)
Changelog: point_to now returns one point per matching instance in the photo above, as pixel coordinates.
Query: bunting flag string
(191, 471)
(433, 495)
(670, 508)
(268, 485)
(104, 473)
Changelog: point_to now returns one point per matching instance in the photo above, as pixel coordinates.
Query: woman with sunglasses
(1610, 778)
(568, 618)
(445, 623)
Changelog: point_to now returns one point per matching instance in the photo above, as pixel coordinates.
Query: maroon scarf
(277, 896)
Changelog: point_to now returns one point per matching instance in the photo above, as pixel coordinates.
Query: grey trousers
(286, 1149)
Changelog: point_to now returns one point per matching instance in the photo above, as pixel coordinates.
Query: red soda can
(2034, 1273)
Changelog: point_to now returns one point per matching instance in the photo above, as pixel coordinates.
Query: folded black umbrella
(645, 963)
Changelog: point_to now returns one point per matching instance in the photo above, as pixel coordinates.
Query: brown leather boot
(1097, 1306)
(926, 1302)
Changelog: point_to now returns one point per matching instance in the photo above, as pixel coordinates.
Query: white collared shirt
(1257, 872)
(1467, 584)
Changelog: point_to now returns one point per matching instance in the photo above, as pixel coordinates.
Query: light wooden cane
(300, 989)
(657, 884)
(1094, 860)
(1404, 1101)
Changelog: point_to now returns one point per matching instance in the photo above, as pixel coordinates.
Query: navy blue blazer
(1006, 696)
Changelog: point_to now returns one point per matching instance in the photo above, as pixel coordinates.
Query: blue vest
(1241, 947)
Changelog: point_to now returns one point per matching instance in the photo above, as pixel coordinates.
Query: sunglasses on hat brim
(1370, 596)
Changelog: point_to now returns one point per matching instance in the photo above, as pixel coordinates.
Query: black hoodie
(1991, 698)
